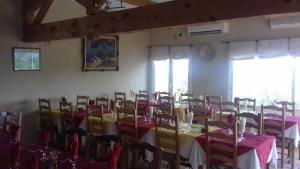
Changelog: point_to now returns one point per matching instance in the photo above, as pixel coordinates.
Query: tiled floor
(287, 165)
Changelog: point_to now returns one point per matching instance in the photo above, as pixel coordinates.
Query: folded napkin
(74, 147)
(230, 119)
(189, 117)
(13, 128)
(44, 135)
(115, 155)
(14, 154)
(112, 104)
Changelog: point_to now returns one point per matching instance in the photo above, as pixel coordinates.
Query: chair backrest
(102, 101)
(15, 117)
(274, 120)
(168, 142)
(141, 97)
(66, 115)
(186, 99)
(164, 108)
(253, 121)
(127, 121)
(228, 107)
(143, 103)
(94, 123)
(289, 107)
(45, 113)
(220, 141)
(120, 98)
(167, 99)
(144, 92)
(274, 124)
(201, 113)
(214, 101)
(246, 104)
(82, 102)
(162, 94)
(140, 148)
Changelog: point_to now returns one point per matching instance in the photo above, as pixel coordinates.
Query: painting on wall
(26, 59)
(101, 54)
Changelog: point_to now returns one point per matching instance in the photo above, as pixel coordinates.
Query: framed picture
(26, 59)
(101, 54)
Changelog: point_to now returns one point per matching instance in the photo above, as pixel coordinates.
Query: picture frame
(26, 59)
(101, 53)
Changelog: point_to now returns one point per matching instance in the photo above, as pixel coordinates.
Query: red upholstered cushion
(115, 155)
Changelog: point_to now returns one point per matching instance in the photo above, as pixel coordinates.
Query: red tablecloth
(30, 155)
(142, 126)
(261, 143)
(291, 120)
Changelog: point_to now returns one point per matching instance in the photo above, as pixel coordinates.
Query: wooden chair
(254, 121)
(120, 98)
(46, 122)
(228, 108)
(169, 143)
(66, 115)
(186, 99)
(289, 107)
(274, 124)
(162, 94)
(246, 104)
(103, 146)
(15, 117)
(104, 102)
(144, 92)
(201, 113)
(214, 102)
(228, 157)
(164, 108)
(167, 99)
(143, 104)
(140, 162)
(82, 103)
(127, 121)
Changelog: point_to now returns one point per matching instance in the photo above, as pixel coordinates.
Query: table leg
(292, 155)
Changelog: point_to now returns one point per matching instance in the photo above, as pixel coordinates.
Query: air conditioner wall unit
(214, 28)
(285, 22)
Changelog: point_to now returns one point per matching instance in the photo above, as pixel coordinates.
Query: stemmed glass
(44, 145)
(54, 155)
(242, 125)
(230, 120)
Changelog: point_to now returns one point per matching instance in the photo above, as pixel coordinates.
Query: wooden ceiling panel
(173, 13)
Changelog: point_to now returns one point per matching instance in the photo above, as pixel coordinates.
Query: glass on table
(54, 156)
(44, 144)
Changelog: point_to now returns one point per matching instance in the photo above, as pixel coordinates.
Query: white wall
(61, 66)
(212, 77)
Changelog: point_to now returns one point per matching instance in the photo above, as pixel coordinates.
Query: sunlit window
(161, 75)
(264, 79)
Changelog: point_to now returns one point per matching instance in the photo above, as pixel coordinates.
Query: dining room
(138, 84)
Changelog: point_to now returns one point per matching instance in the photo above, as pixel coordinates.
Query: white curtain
(180, 52)
(159, 53)
(242, 50)
(295, 47)
(272, 48)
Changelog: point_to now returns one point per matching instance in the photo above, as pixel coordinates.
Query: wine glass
(242, 125)
(44, 145)
(54, 155)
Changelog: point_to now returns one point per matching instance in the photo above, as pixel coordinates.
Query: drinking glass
(242, 125)
(54, 155)
(44, 149)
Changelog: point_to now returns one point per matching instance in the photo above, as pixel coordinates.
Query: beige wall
(212, 77)
(61, 66)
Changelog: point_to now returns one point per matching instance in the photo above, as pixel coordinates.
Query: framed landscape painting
(101, 54)
(26, 59)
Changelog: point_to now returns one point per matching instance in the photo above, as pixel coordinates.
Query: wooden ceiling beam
(42, 12)
(173, 13)
(140, 2)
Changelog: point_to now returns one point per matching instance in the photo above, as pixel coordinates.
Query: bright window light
(264, 79)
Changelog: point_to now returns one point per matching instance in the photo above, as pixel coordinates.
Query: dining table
(30, 155)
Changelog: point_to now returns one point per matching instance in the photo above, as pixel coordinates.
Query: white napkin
(189, 117)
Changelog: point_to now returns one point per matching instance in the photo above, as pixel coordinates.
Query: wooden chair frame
(82, 101)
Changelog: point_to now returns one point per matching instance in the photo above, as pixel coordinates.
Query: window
(264, 79)
(26, 59)
(178, 78)
(161, 75)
